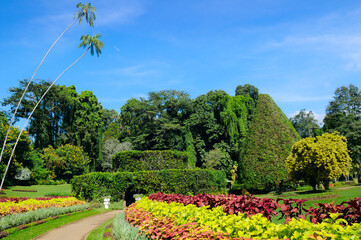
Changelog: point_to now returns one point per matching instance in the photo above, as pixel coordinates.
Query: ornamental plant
(164, 218)
(67, 161)
(231, 204)
(319, 159)
(25, 205)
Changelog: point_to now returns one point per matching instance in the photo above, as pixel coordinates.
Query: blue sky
(299, 52)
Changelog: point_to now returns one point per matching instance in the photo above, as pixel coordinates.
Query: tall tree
(305, 123)
(86, 11)
(343, 114)
(89, 127)
(157, 122)
(92, 44)
(218, 121)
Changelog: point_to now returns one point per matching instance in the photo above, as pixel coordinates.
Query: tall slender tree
(88, 42)
(86, 11)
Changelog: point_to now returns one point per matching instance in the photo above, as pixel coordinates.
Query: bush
(67, 161)
(132, 161)
(268, 143)
(185, 181)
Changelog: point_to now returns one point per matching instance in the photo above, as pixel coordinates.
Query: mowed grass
(98, 233)
(32, 232)
(41, 190)
(337, 194)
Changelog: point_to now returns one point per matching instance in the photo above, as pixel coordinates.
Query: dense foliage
(231, 204)
(21, 159)
(186, 181)
(319, 159)
(132, 161)
(162, 220)
(305, 123)
(63, 117)
(343, 114)
(268, 143)
(66, 161)
(25, 205)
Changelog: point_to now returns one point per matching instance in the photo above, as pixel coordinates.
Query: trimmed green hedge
(268, 143)
(185, 181)
(133, 161)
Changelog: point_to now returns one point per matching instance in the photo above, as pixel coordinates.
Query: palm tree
(88, 42)
(86, 11)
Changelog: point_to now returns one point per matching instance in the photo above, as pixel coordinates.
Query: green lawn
(42, 190)
(336, 194)
(97, 234)
(32, 232)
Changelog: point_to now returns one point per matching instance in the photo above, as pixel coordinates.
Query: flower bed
(161, 220)
(350, 211)
(18, 205)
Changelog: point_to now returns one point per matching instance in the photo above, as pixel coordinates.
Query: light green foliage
(256, 226)
(305, 123)
(219, 121)
(268, 143)
(123, 230)
(66, 161)
(319, 159)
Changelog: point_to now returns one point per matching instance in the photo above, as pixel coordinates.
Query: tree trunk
(326, 184)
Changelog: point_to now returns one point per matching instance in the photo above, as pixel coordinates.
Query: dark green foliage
(156, 123)
(248, 90)
(268, 143)
(219, 121)
(132, 161)
(185, 181)
(63, 117)
(343, 114)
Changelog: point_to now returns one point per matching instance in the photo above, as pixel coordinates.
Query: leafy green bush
(67, 161)
(185, 181)
(268, 143)
(132, 161)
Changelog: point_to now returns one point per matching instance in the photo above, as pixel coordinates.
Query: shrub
(67, 161)
(185, 181)
(267, 145)
(132, 161)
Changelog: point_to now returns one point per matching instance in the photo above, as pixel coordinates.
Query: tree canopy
(305, 123)
(319, 159)
(343, 114)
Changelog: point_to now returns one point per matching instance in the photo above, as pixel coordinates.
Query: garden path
(78, 230)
